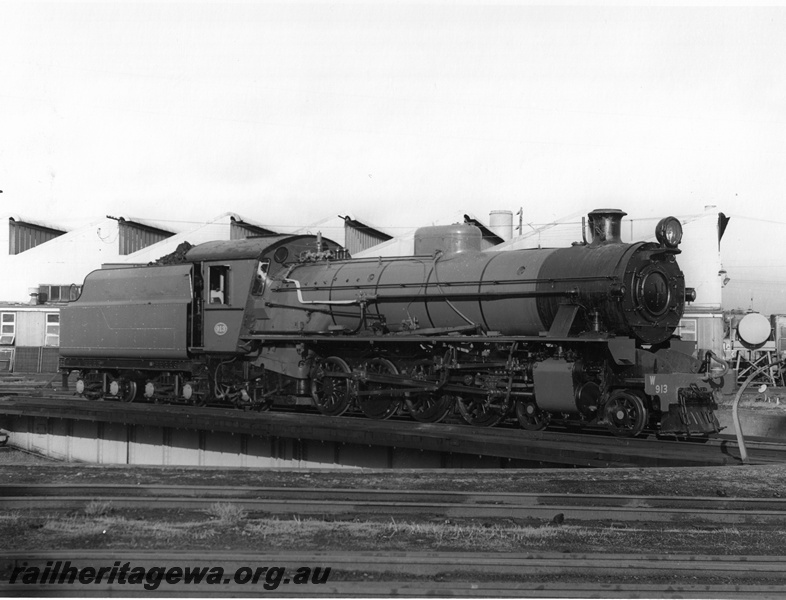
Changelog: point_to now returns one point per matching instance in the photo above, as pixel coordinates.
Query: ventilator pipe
(734, 407)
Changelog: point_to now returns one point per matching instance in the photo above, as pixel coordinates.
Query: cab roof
(251, 248)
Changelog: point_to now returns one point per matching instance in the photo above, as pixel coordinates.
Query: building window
(688, 330)
(48, 292)
(52, 329)
(7, 328)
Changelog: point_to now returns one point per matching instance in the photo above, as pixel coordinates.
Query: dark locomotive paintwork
(545, 334)
(130, 313)
(514, 293)
(637, 289)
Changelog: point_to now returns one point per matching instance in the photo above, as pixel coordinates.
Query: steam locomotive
(575, 336)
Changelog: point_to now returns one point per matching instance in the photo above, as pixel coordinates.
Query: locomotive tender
(578, 336)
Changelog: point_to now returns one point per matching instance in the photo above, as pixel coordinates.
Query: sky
(395, 113)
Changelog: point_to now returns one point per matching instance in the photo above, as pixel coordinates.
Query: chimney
(605, 226)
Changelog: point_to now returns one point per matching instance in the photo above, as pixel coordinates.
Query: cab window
(218, 284)
(260, 278)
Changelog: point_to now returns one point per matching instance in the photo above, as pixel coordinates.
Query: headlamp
(669, 232)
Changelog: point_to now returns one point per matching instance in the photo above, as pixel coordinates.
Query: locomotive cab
(225, 291)
(234, 281)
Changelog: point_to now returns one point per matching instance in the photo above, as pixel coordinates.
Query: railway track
(44, 391)
(538, 575)
(546, 447)
(402, 503)
(464, 574)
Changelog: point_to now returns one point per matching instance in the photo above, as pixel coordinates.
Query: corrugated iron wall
(238, 230)
(23, 236)
(135, 236)
(359, 237)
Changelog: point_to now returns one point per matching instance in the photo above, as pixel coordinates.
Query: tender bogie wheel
(81, 387)
(626, 414)
(123, 389)
(195, 392)
(379, 406)
(187, 392)
(89, 385)
(484, 411)
(331, 387)
(530, 415)
(429, 407)
(129, 391)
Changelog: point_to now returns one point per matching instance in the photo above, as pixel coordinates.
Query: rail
(354, 502)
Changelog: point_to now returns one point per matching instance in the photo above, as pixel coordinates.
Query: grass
(75, 526)
(98, 508)
(236, 531)
(227, 514)
(226, 526)
(10, 518)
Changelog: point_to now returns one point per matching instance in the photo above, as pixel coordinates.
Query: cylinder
(501, 223)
